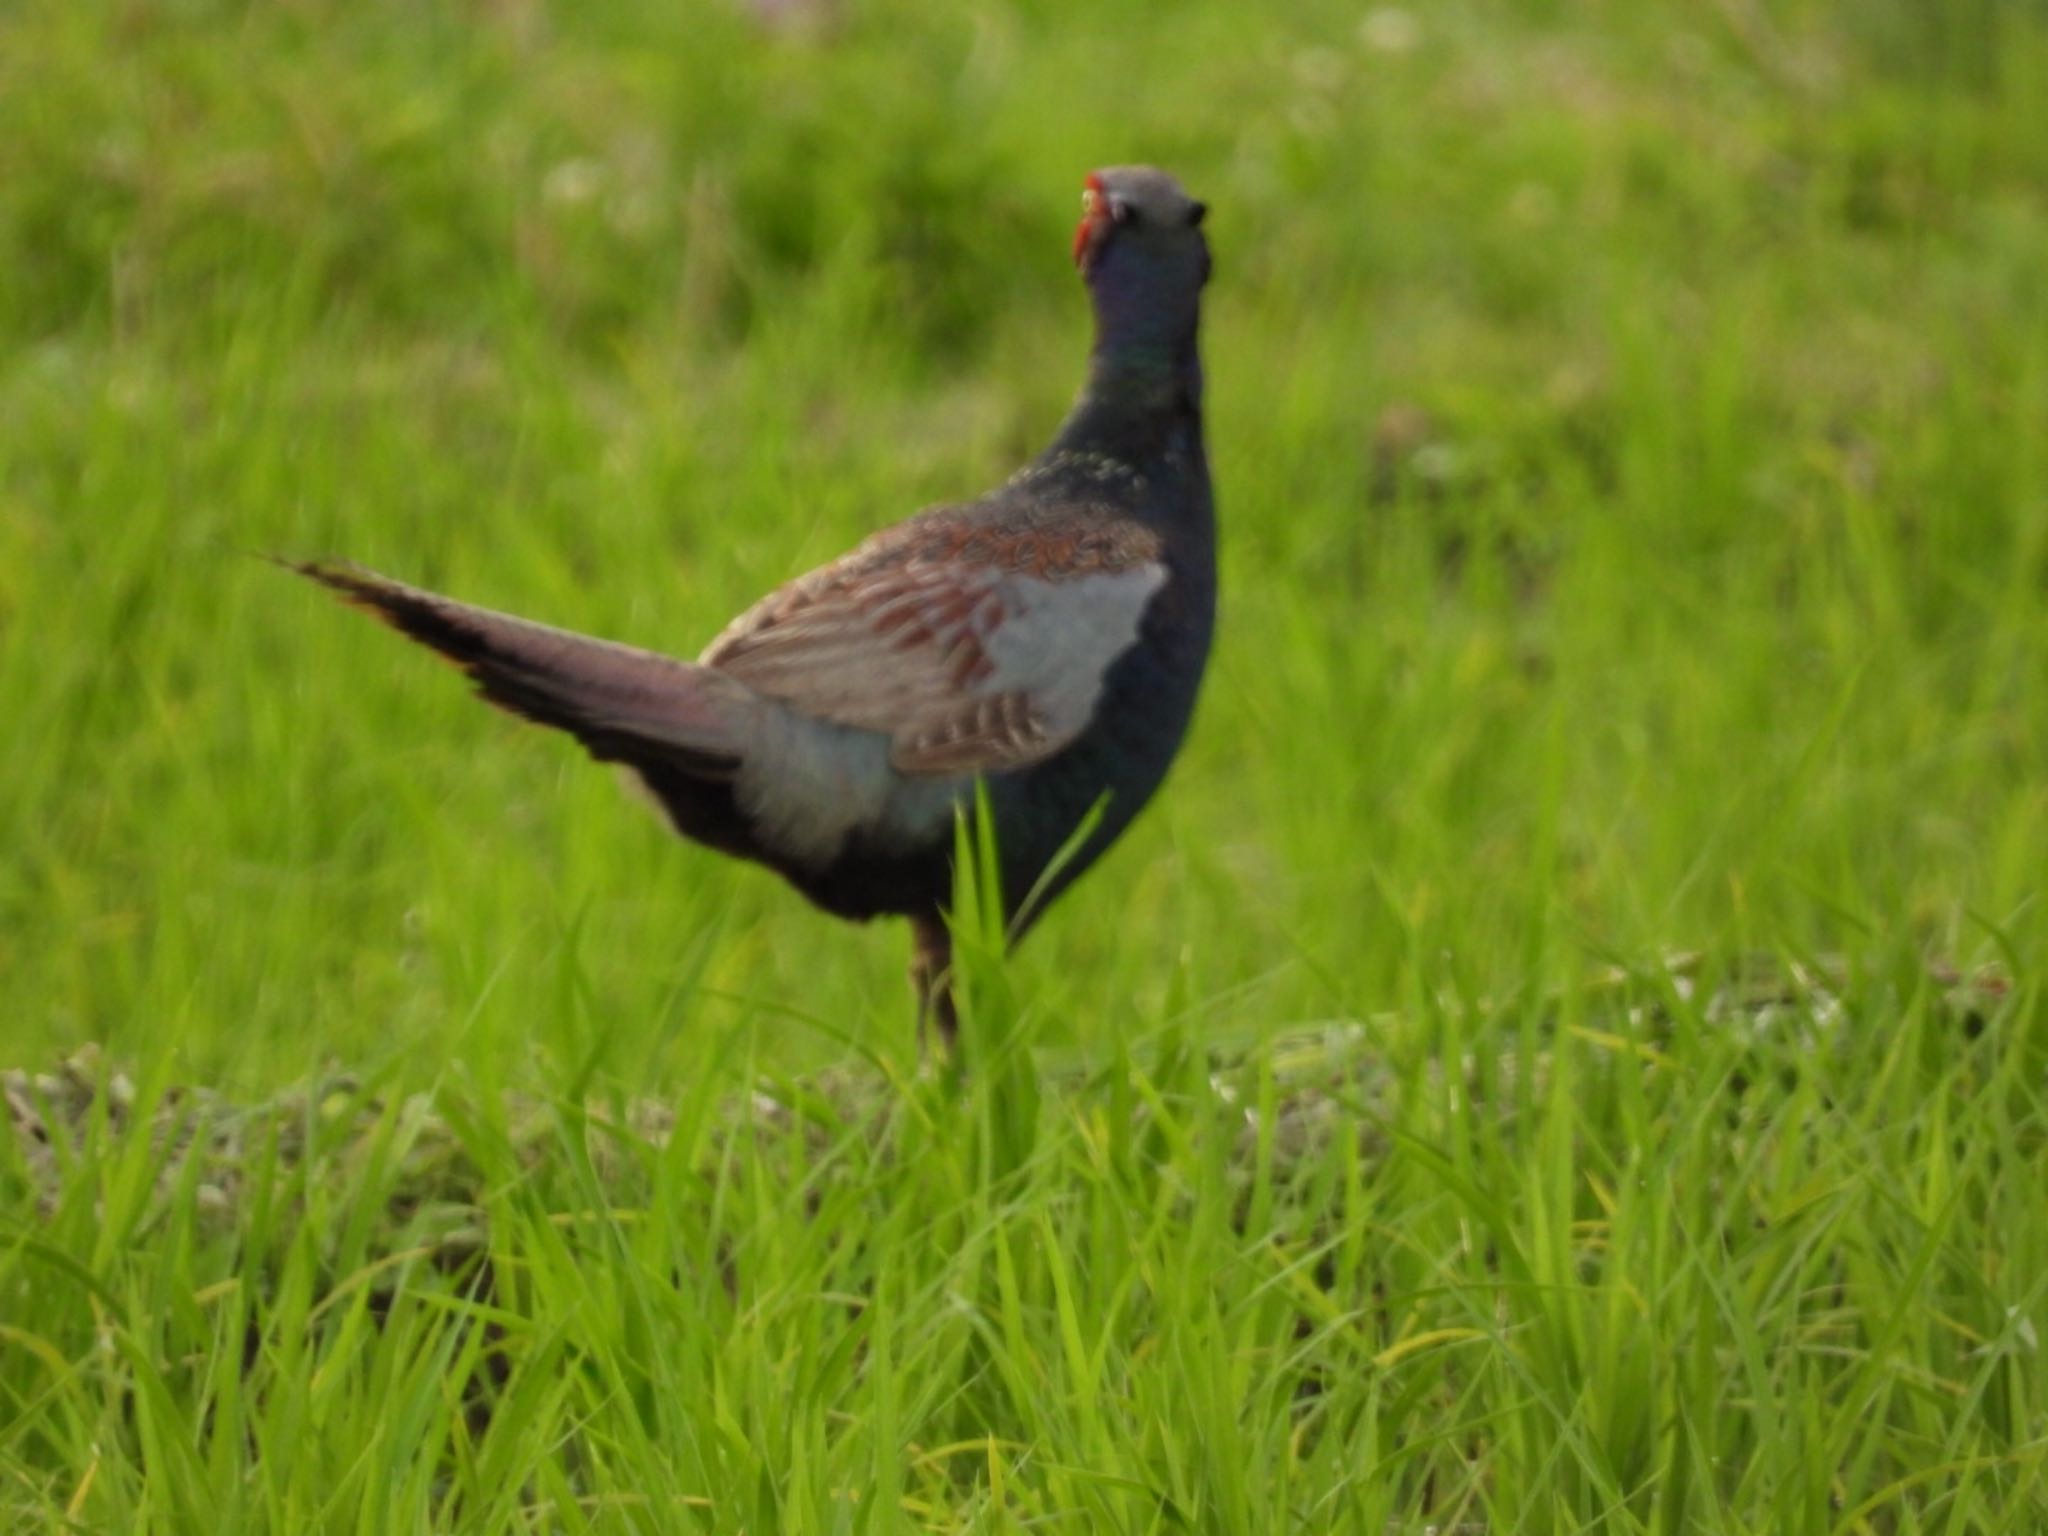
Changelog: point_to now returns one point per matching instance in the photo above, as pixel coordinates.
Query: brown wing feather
(1001, 729)
(873, 650)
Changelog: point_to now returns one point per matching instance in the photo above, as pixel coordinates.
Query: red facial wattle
(1095, 222)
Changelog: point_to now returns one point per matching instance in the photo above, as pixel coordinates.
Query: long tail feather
(624, 704)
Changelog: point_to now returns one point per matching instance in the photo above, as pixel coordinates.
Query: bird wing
(973, 651)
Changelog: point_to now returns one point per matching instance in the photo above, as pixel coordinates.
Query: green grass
(1631, 431)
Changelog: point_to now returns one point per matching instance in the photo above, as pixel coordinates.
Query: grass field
(1631, 431)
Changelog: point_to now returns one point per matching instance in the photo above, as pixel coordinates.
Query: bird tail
(625, 705)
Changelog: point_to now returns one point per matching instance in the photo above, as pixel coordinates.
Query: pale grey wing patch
(808, 785)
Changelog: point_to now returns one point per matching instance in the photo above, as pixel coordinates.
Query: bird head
(1140, 239)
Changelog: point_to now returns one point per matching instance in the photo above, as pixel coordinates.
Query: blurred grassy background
(1631, 427)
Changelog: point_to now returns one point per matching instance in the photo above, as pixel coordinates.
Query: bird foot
(931, 974)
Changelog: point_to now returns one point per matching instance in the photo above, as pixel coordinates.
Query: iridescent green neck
(1135, 396)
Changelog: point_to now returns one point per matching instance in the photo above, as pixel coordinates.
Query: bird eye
(1120, 211)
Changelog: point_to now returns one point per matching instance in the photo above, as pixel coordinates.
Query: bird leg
(931, 973)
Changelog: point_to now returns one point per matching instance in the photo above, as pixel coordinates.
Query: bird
(1042, 644)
